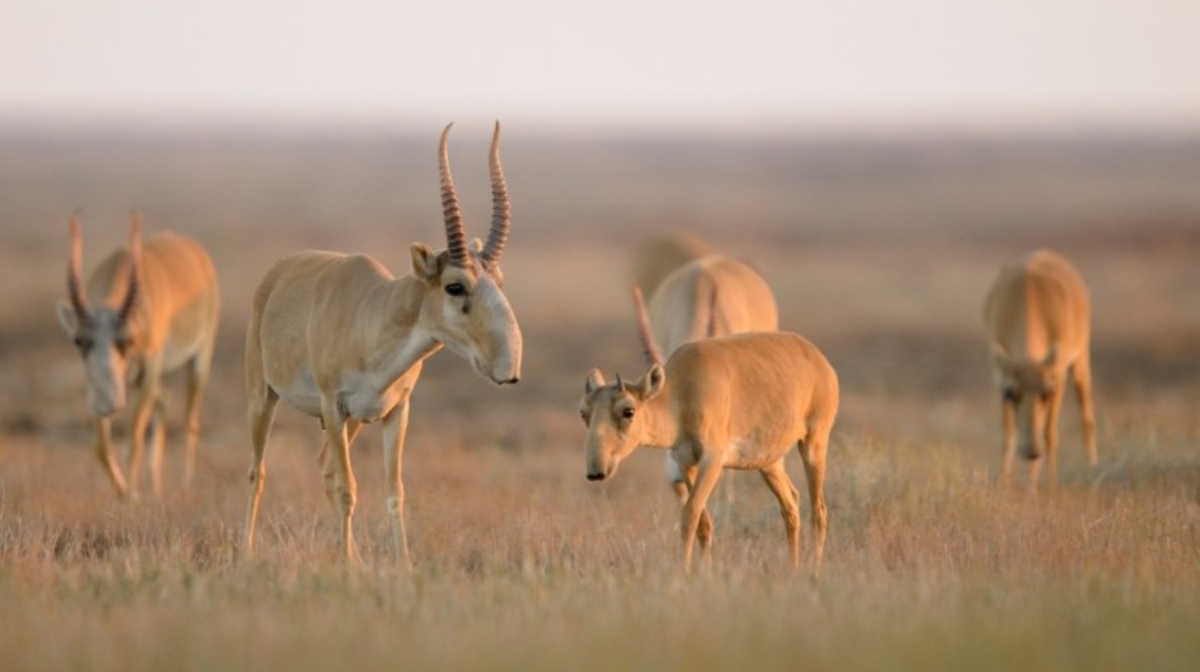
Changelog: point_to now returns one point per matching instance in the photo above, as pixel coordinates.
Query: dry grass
(520, 566)
(879, 254)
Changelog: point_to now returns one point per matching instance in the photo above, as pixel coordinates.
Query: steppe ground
(880, 250)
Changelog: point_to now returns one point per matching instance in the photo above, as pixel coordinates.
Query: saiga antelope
(1037, 317)
(338, 338)
(732, 402)
(148, 309)
(714, 295)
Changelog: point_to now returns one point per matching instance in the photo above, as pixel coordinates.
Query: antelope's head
(1028, 386)
(465, 302)
(615, 417)
(103, 333)
(615, 413)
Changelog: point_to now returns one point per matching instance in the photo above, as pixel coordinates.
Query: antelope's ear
(424, 263)
(652, 381)
(595, 380)
(67, 317)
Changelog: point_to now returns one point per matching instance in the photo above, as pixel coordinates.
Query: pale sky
(744, 63)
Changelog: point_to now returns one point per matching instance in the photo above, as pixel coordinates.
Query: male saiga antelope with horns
(732, 402)
(148, 309)
(1037, 317)
(714, 295)
(337, 337)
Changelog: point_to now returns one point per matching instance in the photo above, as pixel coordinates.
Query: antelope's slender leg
(780, 483)
(1052, 412)
(329, 466)
(812, 452)
(707, 473)
(704, 529)
(196, 380)
(394, 430)
(105, 453)
(262, 413)
(139, 420)
(1082, 374)
(338, 442)
(1009, 411)
(155, 435)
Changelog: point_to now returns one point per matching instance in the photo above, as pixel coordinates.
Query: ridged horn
(649, 347)
(456, 237)
(501, 212)
(135, 263)
(75, 270)
(713, 315)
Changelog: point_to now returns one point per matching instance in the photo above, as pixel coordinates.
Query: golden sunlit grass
(522, 565)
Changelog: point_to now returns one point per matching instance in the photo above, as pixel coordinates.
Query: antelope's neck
(404, 343)
(661, 426)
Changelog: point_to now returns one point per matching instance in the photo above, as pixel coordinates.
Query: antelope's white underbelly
(358, 396)
(301, 394)
(744, 453)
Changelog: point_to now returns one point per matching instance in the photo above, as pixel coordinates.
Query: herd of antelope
(339, 338)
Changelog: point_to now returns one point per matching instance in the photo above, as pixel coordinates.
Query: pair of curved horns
(75, 270)
(456, 236)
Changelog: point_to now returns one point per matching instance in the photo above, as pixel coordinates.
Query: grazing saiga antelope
(714, 295)
(338, 338)
(731, 402)
(149, 309)
(1037, 317)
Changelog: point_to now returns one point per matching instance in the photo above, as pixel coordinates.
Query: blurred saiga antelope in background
(731, 402)
(714, 295)
(1037, 317)
(340, 339)
(148, 309)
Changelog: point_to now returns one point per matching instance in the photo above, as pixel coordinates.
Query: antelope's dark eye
(456, 289)
(123, 344)
(1011, 395)
(83, 342)
(627, 413)
(584, 415)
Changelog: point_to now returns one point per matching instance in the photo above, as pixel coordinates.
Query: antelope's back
(178, 292)
(293, 291)
(681, 308)
(1038, 295)
(761, 377)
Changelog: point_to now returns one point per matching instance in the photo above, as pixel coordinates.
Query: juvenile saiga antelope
(338, 337)
(148, 309)
(714, 295)
(1037, 317)
(731, 402)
